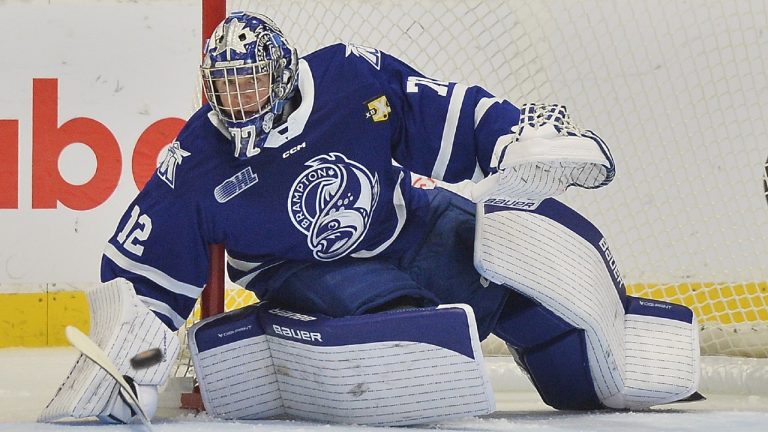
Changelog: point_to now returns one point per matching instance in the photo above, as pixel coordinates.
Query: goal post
(678, 91)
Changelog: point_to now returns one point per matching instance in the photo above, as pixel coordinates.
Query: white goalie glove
(545, 154)
(122, 326)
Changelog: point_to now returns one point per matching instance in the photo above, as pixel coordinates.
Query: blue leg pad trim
(552, 351)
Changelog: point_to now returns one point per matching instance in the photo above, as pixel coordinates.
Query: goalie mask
(249, 73)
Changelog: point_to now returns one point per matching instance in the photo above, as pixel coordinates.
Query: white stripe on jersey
(152, 274)
(242, 265)
(244, 281)
(399, 202)
(483, 106)
(160, 307)
(449, 131)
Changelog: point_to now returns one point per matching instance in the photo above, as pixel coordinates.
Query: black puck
(147, 358)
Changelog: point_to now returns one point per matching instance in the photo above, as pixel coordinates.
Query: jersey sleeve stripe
(242, 265)
(245, 280)
(449, 131)
(152, 274)
(162, 308)
(399, 204)
(483, 106)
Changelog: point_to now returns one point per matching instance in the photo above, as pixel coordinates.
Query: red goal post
(212, 300)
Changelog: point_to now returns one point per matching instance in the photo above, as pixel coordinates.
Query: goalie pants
(438, 270)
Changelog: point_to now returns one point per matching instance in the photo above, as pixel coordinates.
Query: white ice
(29, 376)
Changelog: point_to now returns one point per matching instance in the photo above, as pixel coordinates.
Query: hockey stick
(88, 348)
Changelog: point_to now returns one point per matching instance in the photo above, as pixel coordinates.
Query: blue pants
(439, 270)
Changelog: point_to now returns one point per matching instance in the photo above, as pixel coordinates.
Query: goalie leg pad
(662, 353)
(392, 368)
(557, 258)
(122, 326)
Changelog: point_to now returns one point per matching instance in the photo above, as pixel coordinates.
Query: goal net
(678, 90)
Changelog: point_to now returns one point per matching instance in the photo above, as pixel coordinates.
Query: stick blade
(88, 348)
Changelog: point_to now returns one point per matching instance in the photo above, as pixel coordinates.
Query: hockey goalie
(375, 294)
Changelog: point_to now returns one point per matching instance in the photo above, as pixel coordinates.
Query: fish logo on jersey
(173, 157)
(371, 55)
(332, 203)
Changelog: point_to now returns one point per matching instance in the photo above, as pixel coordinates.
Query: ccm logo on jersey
(297, 334)
(523, 204)
(294, 149)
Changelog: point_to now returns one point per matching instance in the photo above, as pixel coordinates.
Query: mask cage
(248, 89)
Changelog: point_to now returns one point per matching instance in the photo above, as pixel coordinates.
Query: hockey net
(678, 90)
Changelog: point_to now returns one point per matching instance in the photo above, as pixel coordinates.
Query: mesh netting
(678, 91)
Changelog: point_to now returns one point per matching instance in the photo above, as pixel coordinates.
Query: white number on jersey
(441, 87)
(137, 235)
(245, 136)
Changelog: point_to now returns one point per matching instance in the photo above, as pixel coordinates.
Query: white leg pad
(575, 276)
(122, 326)
(377, 369)
(662, 355)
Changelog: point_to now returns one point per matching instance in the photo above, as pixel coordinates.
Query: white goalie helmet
(249, 73)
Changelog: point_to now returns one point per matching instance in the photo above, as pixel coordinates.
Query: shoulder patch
(173, 157)
(378, 109)
(371, 55)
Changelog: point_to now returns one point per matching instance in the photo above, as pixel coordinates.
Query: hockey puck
(146, 359)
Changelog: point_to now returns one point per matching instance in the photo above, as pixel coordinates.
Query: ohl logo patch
(234, 185)
(378, 109)
(332, 203)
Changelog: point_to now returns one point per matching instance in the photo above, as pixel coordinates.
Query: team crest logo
(378, 109)
(371, 55)
(234, 36)
(332, 202)
(167, 168)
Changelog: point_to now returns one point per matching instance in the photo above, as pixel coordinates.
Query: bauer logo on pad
(517, 203)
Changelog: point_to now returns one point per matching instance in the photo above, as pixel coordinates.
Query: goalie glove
(122, 326)
(545, 154)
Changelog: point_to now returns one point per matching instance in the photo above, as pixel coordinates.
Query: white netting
(678, 91)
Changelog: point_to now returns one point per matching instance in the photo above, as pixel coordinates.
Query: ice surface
(29, 376)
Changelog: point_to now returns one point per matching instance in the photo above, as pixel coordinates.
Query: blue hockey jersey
(324, 187)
